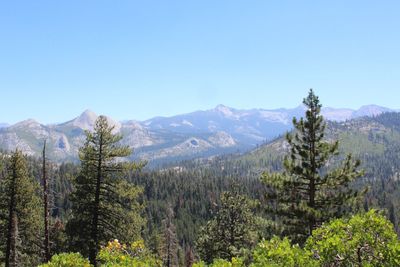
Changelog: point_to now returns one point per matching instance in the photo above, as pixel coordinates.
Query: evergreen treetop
(311, 189)
(104, 204)
(20, 214)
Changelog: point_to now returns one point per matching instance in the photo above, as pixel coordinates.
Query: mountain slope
(197, 134)
(373, 140)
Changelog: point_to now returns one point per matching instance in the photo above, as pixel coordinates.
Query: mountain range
(161, 139)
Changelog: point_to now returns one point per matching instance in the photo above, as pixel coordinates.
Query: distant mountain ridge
(197, 134)
(373, 140)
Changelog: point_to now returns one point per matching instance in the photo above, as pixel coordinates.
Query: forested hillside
(375, 141)
(169, 139)
(175, 215)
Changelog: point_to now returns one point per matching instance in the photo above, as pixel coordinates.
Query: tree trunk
(313, 171)
(94, 235)
(359, 257)
(189, 257)
(311, 204)
(14, 252)
(11, 213)
(46, 208)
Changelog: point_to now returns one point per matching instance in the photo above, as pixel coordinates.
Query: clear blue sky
(138, 59)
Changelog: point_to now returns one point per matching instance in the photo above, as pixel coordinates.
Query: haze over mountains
(197, 134)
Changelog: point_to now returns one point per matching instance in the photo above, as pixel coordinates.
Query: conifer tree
(104, 205)
(46, 241)
(170, 242)
(189, 257)
(20, 225)
(392, 216)
(231, 232)
(308, 192)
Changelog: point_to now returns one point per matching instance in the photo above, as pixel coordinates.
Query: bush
(112, 255)
(67, 260)
(121, 255)
(280, 252)
(363, 240)
(366, 239)
(236, 262)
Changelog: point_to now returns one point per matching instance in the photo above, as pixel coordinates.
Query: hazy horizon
(211, 108)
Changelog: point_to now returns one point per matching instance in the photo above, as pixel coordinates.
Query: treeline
(221, 212)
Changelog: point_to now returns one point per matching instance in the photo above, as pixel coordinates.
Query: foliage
(235, 262)
(231, 232)
(104, 204)
(169, 243)
(112, 255)
(306, 193)
(121, 255)
(362, 240)
(59, 240)
(20, 214)
(366, 239)
(280, 252)
(192, 193)
(67, 260)
(192, 190)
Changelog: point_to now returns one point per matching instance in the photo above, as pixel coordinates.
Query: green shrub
(280, 252)
(121, 255)
(363, 240)
(236, 262)
(366, 239)
(67, 260)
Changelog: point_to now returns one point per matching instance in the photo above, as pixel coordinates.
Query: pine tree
(104, 205)
(392, 216)
(307, 193)
(20, 225)
(13, 243)
(170, 243)
(189, 257)
(231, 232)
(58, 242)
(46, 241)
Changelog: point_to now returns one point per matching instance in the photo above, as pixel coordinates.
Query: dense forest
(326, 194)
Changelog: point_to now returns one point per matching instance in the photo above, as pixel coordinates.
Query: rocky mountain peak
(117, 125)
(224, 110)
(88, 114)
(29, 123)
(86, 120)
(201, 133)
(222, 139)
(370, 110)
(132, 124)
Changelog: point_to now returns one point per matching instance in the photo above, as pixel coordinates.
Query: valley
(164, 140)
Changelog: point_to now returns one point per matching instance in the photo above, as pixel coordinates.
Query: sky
(140, 59)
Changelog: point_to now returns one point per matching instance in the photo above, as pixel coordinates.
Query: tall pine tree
(170, 244)
(46, 240)
(308, 193)
(104, 206)
(20, 214)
